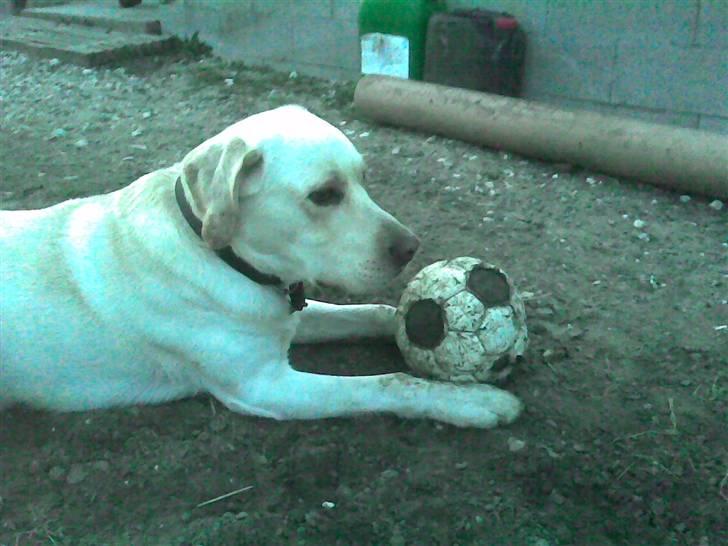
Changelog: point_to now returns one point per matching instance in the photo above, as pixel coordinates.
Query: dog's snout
(403, 247)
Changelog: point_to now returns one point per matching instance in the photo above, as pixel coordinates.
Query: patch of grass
(192, 47)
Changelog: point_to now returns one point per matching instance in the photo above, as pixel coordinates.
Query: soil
(626, 386)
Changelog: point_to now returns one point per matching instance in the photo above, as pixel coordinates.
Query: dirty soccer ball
(461, 320)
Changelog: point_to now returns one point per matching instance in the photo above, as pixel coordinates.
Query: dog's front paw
(476, 405)
(386, 316)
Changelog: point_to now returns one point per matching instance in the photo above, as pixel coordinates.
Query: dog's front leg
(285, 393)
(321, 322)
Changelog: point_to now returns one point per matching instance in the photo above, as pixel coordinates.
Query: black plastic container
(476, 49)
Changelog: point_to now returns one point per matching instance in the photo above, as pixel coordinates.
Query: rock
(389, 474)
(716, 204)
(557, 497)
(514, 444)
(76, 475)
(101, 466)
(639, 224)
(218, 424)
(56, 473)
(81, 143)
(685, 199)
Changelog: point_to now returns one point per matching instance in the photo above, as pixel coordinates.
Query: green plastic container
(393, 35)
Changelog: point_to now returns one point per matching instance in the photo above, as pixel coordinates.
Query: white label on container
(385, 54)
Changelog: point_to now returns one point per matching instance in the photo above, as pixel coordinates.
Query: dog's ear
(214, 174)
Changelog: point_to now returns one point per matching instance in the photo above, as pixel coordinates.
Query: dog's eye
(326, 197)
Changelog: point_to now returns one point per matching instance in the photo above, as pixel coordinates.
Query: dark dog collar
(226, 254)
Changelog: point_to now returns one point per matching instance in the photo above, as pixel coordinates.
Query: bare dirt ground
(624, 438)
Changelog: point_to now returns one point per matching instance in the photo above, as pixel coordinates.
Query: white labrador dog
(191, 280)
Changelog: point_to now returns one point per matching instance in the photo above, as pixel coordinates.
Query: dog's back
(64, 340)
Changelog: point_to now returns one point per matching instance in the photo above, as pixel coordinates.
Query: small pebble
(102, 466)
(639, 224)
(56, 473)
(327, 505)
(81, 143)
(514, 444)
(557, 497)
(716, 205)
(76, 475)
(685, 199)
(229, 82)
(54, 62)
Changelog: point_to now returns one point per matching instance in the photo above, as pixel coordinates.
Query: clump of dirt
(624, 437)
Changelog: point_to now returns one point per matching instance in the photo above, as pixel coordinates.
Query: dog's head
(284, 189)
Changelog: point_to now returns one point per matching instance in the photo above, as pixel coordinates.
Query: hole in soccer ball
(425, 324)
(490, 285)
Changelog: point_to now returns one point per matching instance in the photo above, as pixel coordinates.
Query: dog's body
(115, 300)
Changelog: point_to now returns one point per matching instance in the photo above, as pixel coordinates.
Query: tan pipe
(688, 160)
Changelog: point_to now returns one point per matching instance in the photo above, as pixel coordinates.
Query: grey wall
(660, 60)
(315, 37)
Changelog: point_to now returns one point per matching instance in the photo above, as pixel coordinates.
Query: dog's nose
(403, 249)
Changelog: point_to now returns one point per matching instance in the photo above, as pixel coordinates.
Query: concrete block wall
(314, 37)
(661, 60)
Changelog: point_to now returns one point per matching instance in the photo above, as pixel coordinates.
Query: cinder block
(662, 117)
(581, 73)
(712, 31)
(270, 39)
(714, 124)
(328, 42)
(672, 78)
(292, 8)
(644, 22)
(347, 10)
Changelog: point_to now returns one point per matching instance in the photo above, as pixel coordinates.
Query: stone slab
(87, 46)
(100, 16)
